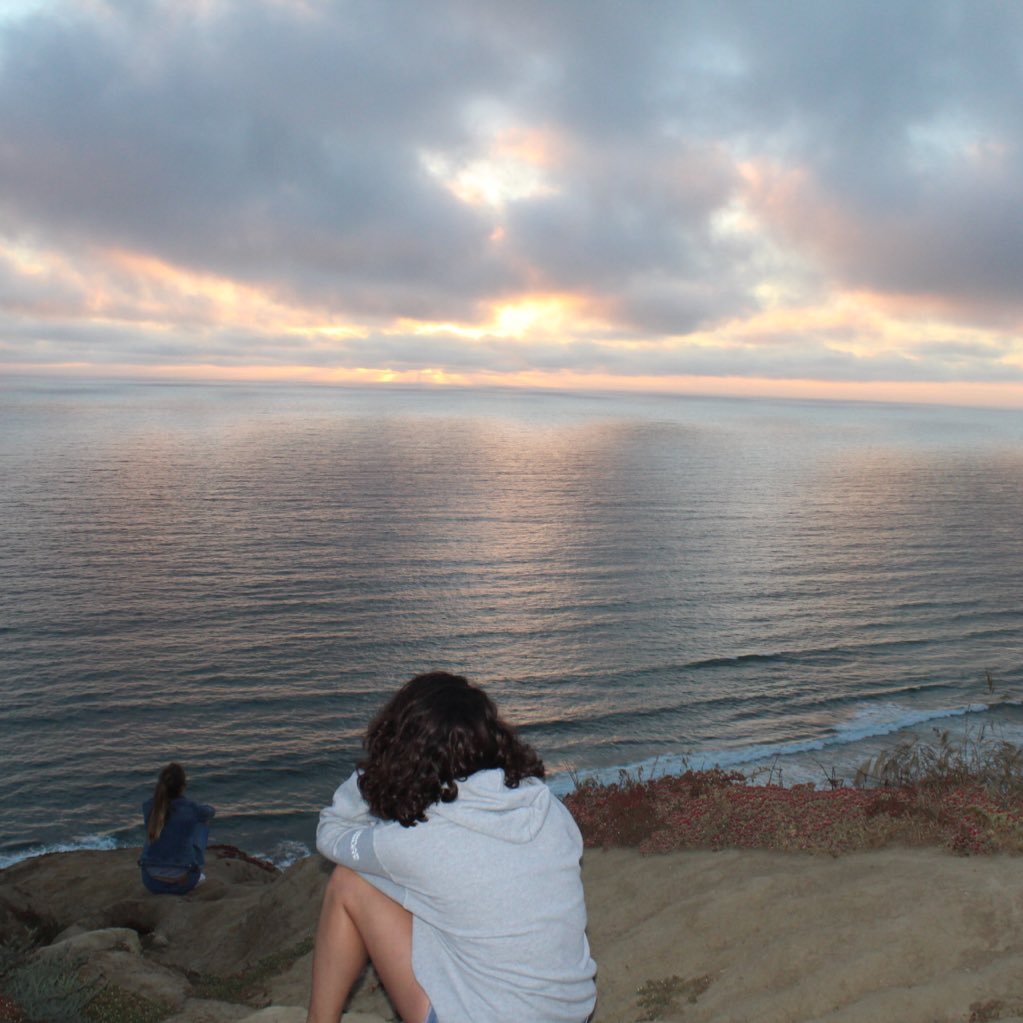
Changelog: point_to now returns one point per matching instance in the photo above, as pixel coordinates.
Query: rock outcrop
(239, 947)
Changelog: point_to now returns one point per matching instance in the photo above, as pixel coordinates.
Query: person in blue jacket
(176, 834)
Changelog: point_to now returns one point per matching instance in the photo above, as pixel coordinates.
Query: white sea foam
(282, 855)
(100, 842)
(285, 853)
(886, 718)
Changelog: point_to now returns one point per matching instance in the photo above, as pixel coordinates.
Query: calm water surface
(236, 577)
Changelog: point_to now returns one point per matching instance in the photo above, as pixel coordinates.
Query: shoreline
(796, 763)
(104, 844)
(914, 935)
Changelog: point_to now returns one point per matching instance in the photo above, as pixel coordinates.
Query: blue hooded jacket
(181, 844)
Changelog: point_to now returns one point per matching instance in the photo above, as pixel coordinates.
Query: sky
(809, 198)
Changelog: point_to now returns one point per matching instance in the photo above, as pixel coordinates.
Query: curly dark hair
(433, 733)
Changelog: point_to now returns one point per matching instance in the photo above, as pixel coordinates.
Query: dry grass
(977, 759)
(658, 997)
(990, 1009)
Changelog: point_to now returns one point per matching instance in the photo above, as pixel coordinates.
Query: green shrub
(49, 990)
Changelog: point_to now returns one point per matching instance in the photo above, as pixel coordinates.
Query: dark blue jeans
(190, 878)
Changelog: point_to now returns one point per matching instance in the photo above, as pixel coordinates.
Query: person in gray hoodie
(458, 871)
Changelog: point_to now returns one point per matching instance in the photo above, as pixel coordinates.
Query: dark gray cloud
(903, 118)
(253, 143)
(285, 144)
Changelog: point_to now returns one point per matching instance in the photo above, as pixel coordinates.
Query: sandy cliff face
(907, 936)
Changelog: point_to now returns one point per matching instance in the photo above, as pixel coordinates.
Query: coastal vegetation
(51, 989)
(37, 988)
(964, 794)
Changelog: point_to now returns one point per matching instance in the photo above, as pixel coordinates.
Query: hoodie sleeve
(346, 831)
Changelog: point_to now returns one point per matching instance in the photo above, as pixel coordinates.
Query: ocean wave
(867, 723)
(759, 706)
(780, 656)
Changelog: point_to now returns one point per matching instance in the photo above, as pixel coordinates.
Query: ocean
(237, 576)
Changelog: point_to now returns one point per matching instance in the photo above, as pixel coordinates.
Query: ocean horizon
(237, 576)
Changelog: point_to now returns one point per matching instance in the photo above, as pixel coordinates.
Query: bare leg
(358, 921)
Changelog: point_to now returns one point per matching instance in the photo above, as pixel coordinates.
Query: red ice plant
(716, 809)
(9, 1011)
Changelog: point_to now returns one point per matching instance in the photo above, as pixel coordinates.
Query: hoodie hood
(485, 804)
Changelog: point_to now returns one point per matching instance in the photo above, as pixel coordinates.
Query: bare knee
(340, 878)
(368, 908)
(341, 883)
(349, 888)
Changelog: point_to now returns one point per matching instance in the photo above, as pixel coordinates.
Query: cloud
(246, 141)
(902, 156)
(377, 185)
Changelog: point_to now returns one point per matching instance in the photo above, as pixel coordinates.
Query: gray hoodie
(493, 884)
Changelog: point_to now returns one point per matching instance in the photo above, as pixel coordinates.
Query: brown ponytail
(169, 786)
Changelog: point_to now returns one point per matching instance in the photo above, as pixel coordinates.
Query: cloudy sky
(818, 198)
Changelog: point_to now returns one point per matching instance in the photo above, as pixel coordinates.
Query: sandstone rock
(97, 889)
(202, 1010)
(295, 1014)
(277, 1014)
(87, 943)
(94, 902)
(70, 932)
(131, 972)
(63, 889)
(292, 987)
(271, 919)
(141, 913)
